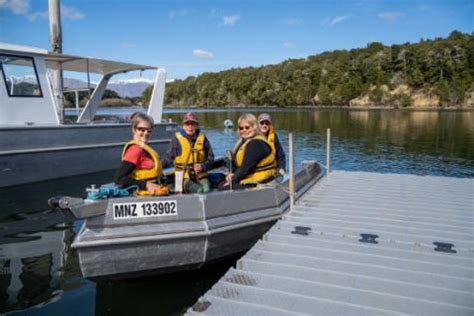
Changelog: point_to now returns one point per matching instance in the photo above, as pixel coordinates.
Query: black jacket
(255, 151)
(175, 150)
(280, 154)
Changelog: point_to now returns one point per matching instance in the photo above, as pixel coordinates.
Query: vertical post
(56, 41)
(76, 94)
(230, 158)
(328, 151)
(292, 170)
(88, 80)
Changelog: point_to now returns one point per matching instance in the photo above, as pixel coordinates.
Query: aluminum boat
(36, 143)
(134, 236)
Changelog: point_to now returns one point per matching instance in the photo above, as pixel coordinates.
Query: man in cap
(191, 153)
(266, 127)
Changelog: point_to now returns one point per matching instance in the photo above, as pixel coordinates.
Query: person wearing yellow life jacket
(191, 152)
(253, 157)
(267, 129)
(141, 165)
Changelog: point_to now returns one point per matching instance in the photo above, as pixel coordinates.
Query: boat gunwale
(284, 207)
(76, 125)
(79, 147)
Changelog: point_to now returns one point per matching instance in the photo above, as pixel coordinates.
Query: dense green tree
(443, 66)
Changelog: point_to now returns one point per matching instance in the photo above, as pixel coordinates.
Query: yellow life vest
(265, 168)
(271, 139)
(145, 174)
(190, 156)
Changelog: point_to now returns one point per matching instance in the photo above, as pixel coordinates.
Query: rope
(108, 192)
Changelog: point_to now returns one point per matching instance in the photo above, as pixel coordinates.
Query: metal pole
(229, 156)
(76, 94)
(88, 89)
(292, 170)
(88, 80)
(56, 41)
(328, 151)
(12, 85)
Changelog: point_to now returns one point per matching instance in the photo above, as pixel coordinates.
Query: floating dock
(360, 243)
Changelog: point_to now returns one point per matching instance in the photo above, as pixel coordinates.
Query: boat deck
(360, 243)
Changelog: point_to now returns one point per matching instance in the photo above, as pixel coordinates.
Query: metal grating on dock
(360, 243)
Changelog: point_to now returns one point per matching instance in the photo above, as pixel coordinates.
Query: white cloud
(22, 7)
(129, 45)
(179, 13)
(288, 45)
(19, 7)
(230, 20)
(33, 16)
(338, 19)
(213, 13)
(335, 20)
(390, 16)
(292, 22)
(199, 53)
(71, 13)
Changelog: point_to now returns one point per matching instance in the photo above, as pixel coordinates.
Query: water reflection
(33, 254)
(161, 295)
(396, 141)
(40, 274)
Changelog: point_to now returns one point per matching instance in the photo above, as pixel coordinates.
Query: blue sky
(192, 37)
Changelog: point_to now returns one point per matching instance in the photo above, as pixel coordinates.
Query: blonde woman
(253, 158)
(141, 165)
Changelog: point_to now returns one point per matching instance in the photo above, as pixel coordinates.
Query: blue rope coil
(108, 192)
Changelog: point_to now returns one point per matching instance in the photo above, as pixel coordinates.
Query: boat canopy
(73, 62)
(94, 65)
(43, 95)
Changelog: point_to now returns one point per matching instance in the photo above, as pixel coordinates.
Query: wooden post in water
(328, 151)
(292, 170)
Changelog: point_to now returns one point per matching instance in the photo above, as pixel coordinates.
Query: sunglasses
(143, 129)
(241, 128)
(265, 123)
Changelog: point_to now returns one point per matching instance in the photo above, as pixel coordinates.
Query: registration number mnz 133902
(145, 209)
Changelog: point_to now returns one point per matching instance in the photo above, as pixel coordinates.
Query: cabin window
(20, 76)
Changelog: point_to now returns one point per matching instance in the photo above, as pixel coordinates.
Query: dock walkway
(360, 243)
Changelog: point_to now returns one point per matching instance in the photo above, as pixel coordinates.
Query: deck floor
(360, 243)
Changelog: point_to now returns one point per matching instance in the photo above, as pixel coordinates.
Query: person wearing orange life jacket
(253, 158)
(141, 165)
(191, 152)
(267, 129)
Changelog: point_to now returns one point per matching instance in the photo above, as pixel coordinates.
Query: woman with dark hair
(141, 165)
(252, 157)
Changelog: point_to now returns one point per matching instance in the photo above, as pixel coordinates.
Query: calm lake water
(40, 274)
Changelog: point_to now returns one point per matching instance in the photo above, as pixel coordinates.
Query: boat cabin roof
(73, 62)
(31, 94)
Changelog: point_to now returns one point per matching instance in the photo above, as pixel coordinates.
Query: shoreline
(312, 107)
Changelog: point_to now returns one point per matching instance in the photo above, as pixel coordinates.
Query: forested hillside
(437, 72)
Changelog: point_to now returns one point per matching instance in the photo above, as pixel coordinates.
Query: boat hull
(38, 153)
(205, 228)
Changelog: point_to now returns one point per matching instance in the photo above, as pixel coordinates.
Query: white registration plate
(145, 209)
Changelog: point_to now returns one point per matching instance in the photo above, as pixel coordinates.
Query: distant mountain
(132, 88)
(124, 88)
(70, 83)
